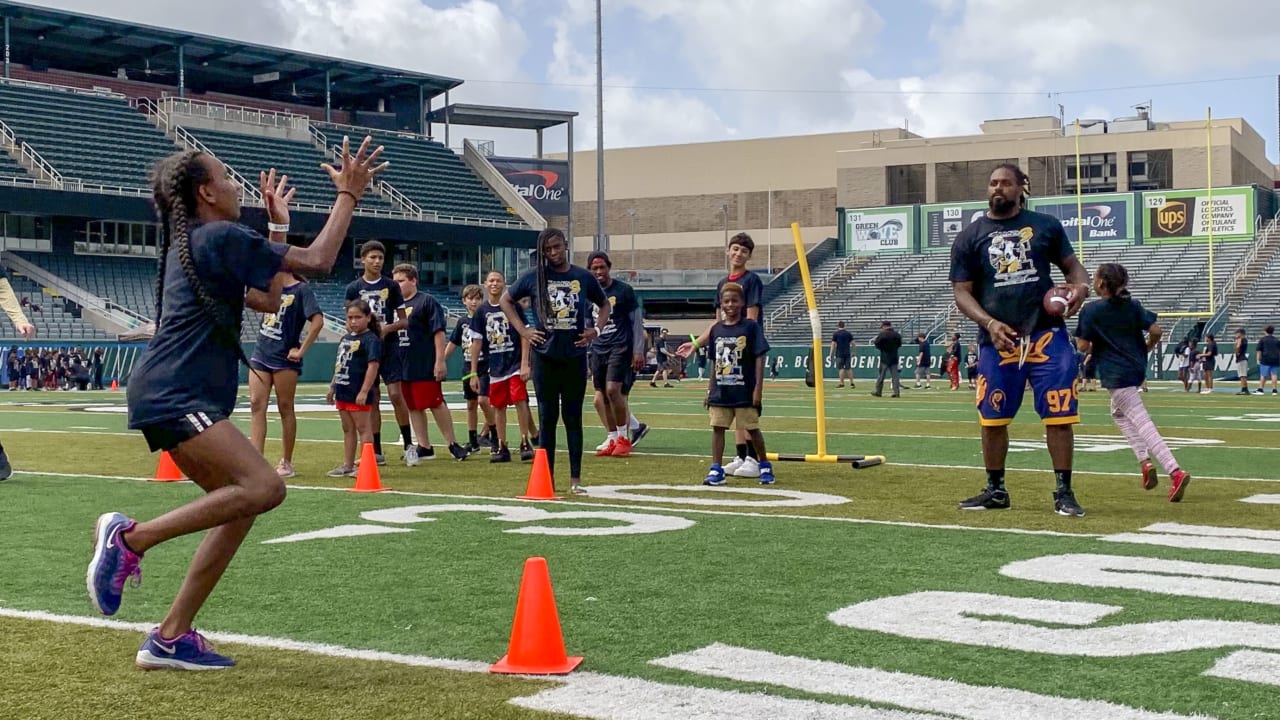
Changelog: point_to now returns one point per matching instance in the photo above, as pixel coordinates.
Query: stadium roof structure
(100, 46)
(500, 116)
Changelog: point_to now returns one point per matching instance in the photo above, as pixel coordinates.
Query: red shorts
(352, 407)
(422, 394)
(505, 393)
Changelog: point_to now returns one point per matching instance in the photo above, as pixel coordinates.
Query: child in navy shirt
(738, 348)
(355, 381)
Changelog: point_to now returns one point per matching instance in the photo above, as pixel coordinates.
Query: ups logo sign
(1172, 217)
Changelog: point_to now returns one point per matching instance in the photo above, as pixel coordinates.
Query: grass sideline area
(806, 599)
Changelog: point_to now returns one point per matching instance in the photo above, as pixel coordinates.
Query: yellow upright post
(815, 324)
(1208, 163)
(1079, 199)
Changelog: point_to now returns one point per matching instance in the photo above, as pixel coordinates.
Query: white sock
(633, 423)
(613, 434)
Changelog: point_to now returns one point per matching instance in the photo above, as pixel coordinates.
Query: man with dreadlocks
(561, 294)
(184, 388)
(1000, 272)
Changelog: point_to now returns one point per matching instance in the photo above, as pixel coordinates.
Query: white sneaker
(285, 469)
(750, 468)
(604, 444)
(1206, 392)
(732, 467)
(411, 457)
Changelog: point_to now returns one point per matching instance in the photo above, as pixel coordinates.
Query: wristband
(989, 324)
(468, 376)
(694, 339)
(278, 227)
(354, 198)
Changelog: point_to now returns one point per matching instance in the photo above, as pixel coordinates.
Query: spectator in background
(842, 353)
(888, 342)
(1242, 360)
(1209, 361)
(663, 359)
(1268, 359)
(924, 358)
(97, 368)
(953, 361)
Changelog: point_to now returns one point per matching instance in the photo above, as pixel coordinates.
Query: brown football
(1057, 300)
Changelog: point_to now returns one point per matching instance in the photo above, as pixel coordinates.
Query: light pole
(631, 213)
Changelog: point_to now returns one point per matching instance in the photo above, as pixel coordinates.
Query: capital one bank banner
(544, 183)
(1104, 218)
(877, 230)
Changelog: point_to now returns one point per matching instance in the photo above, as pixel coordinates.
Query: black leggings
(560, 384)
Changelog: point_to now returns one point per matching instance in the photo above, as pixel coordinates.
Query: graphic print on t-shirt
(496, 330)
(1008, 255)
(611, 327)
(377, 299)
(729, 360)
(271, 324)
(563, 295)
(342, 365)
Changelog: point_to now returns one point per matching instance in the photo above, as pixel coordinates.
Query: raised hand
(277, 195)
(356, 172)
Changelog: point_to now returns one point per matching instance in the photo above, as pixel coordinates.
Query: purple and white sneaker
(112, 563)
(188, 652)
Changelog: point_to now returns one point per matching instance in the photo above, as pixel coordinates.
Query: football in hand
(1057, 300)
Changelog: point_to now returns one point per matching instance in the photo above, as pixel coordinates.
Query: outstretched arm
(12, 308)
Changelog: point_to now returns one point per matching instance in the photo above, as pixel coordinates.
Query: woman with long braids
(560, 294)
(1112, 329)
(184, 388)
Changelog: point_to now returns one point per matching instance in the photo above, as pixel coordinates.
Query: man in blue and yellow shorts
(1000, 270)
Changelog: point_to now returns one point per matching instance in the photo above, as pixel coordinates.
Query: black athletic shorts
(611, 365)
(391, 367)
(169, 434)
(484, 387)
(843, 362)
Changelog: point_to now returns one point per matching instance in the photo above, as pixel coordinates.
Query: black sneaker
(988, 499)
(485, 441)
(526, 452)
(472, 447)
(534, 439)
(638, 434)
(1064, 503)
(426, 453)
(6, 470)
(458, 452)
(500, 456)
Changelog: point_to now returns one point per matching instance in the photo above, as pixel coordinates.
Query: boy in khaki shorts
(737, 348)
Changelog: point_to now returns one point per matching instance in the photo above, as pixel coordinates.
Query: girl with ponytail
(184, 388)
(1112, 329)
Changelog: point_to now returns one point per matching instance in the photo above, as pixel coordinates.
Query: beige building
(681, 201)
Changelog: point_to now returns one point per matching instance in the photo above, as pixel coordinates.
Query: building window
(906, 184)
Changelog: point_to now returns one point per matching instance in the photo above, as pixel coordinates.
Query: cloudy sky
(696, 70)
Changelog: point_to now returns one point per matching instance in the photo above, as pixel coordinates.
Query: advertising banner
(1108, 218)
(544, 183)
(944, 221)
(1173, 215)
(877, 230)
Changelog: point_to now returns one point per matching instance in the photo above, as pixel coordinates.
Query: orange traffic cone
(367, 477)
(540, 485)
(537, 646)
(115, 386)
(167, 470)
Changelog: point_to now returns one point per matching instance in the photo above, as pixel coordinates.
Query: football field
(833, 594)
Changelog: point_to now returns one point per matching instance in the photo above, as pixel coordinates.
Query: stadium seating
(1261, 304)
(96, 139)
(250, 154)
(129, 282)
(10, 167)
(431, 175)
(53, 321)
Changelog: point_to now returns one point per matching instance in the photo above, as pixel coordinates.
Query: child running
(737, 381)
(355, 382)
(183, 390)
(1111, 328)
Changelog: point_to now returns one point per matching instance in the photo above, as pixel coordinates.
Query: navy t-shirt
(735, 349)
(1243, 353)
(383, 296)
(571, 294)
(1115, 327)
(191, 365)
(425, 318)
(1010, 263)
(752, 291)
(501, 342)
(462, 336)
(844, 342)
(281, 331)
(355, 352)
(1211, 354)
(926, 353)
(1269, 349)
(617, 332)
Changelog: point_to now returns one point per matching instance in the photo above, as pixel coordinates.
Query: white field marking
(948, 697)
(1203, 537)
(1262, 499)
(1249, 666)
(683, 510)
(1167, 577)
(632, 523)
(958, 617)
(781, 497)
(340, 531)
(1115, 443)
(1251, 417)
(260, 641)
(604, 697)
(85, 427)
